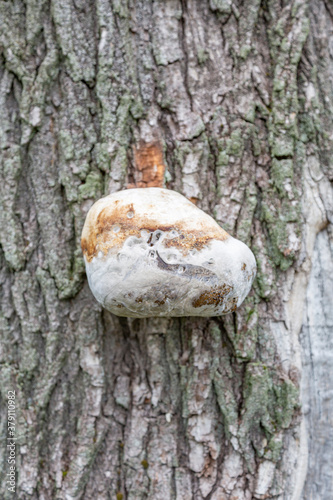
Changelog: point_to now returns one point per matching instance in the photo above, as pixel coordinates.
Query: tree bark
(236, 100)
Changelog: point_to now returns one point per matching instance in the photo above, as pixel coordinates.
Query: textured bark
(236, 98)
(317, 370)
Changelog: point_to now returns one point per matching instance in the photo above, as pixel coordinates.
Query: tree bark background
(237, 99)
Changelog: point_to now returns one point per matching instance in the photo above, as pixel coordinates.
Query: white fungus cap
(151, 252)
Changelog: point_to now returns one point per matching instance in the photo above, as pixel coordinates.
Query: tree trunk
(234, 99)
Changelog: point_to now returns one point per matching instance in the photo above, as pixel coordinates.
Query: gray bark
(317, 371)
(239, 95)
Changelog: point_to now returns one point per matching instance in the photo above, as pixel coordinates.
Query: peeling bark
(237, 99)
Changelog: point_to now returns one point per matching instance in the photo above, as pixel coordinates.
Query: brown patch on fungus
(215, 296)
(186, 241)
(160, 302)
(149, 165)
(243, 266)
(109, 226)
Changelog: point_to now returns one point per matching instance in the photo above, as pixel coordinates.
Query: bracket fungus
(151, 252)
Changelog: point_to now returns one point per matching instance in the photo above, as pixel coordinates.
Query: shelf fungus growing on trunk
(151, 252)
